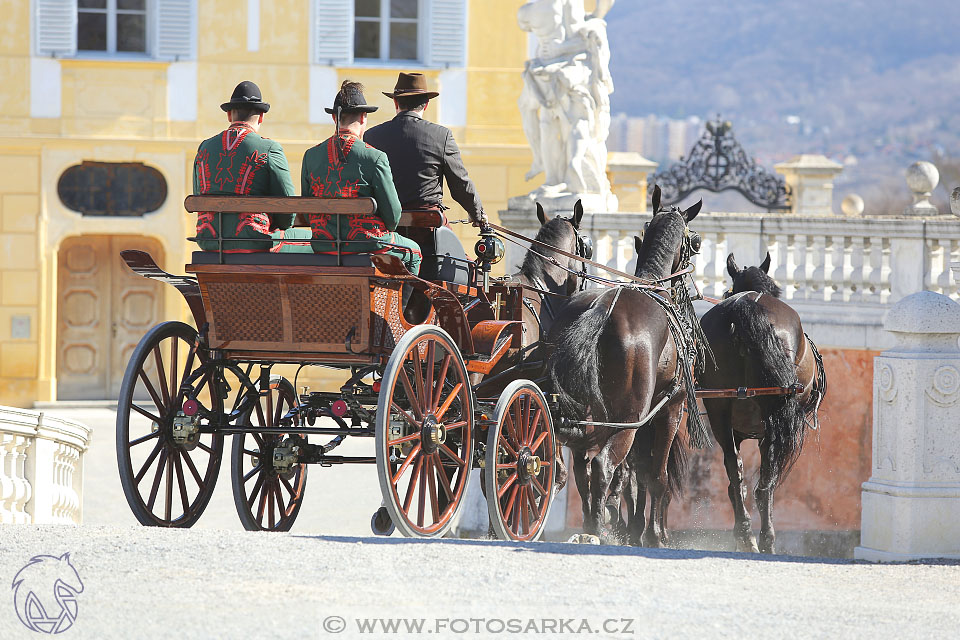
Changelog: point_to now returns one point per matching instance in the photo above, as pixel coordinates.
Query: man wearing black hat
(240, 161)
(344, 166)
(423, 154)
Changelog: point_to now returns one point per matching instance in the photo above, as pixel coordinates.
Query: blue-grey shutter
(55, 24)
(447, 33)
(175, 29)
(333, 32)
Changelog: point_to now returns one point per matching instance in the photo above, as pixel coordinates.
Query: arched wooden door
(103, 310)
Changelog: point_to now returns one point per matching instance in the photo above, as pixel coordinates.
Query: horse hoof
(747, 546)
(584, 538)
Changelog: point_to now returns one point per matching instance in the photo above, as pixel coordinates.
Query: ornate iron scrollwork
(717, 163)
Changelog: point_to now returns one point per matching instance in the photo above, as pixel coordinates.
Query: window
(112, 26)
(386, 29)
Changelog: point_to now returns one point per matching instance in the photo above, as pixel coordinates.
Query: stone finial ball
(852, 205)
(924, 312)
(955, 201)
(922, 177)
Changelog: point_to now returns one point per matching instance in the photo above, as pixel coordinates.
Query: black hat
(246, 96)
(350, 100)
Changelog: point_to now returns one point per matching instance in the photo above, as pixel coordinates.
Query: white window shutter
(333, 32)
(447, 35)
(175, 29)
(56, 27)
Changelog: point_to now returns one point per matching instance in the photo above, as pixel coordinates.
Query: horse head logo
(45, 594)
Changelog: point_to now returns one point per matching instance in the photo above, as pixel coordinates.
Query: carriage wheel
(168, 474)
(520, 463)
(424, 432)
(267, 498)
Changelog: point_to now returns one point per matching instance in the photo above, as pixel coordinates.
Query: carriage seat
(439, 263)
(282, 259)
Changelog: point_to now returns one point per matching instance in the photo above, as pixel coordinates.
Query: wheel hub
(528, 465)
(433, 433)
(285, 456)
(185, 430)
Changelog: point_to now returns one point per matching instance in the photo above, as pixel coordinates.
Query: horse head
(564, 234)
(667, 243)
(751, 278)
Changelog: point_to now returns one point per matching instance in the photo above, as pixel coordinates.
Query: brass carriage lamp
(490, 251)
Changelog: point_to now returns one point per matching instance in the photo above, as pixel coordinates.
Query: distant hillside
(879, 79)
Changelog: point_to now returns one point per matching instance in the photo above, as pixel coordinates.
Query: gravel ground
(151, 583)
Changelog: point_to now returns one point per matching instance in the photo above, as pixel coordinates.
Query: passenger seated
(343, 166)
(238, 161)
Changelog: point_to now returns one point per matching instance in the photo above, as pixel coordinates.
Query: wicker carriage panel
(246, 311)
(325, 313)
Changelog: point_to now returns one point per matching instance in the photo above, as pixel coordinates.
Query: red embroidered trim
(202, 163)
(251, 164)
(229, 141)
(205, 222)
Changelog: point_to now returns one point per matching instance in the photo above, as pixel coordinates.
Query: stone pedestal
(558, 200)
(810, 178)
(911, 504)
(627, 172)
(922, 178)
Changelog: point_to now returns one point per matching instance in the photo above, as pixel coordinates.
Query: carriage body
(410, 383)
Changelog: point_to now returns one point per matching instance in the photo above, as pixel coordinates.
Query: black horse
(758, 341)
(621, 357)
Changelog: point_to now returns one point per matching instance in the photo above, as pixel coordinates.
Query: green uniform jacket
(239, 161)
(365, 173)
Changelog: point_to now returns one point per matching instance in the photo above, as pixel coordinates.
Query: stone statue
(565, 104)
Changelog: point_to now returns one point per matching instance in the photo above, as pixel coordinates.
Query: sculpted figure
(565, 103)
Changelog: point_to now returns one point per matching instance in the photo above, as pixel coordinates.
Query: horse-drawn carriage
(414, 353)
(444, 372)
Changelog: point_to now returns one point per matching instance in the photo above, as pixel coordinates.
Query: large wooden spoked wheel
(167, 480)
(424, 432)
(267, 498)
(520, 463)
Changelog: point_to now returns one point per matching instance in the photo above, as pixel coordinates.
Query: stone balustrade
(41, 468)
(840, 273)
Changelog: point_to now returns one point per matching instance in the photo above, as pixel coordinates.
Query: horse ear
(66, 556)
(692, 211)
(540, 215)
(655, 201)
(732, 267)
(765, 265)
(577, 214)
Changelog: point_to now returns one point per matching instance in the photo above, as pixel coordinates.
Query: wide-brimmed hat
(350, 100)
(411, 84)
(246, 96)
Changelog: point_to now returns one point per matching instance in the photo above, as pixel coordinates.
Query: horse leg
(730, 445)
(582, 480)
(764, 495)
(602, 469)
(613, 507)
(666, 426)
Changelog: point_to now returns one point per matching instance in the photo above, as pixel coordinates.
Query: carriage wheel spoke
(518, 421)
(156, 480)
(271, 497)
(269, 412)
(263, 501)
(511, 503)
(421, 511)
(506, 485)
(406, 463)
(436, 393)
(432, 482)
(527, 423)
(428, 383)
(407, 438)
(286, 483)
(146, 414)
(524, 511)
(406, 416)
(532, 428)
(532, 501)
(510, 450)
(193, 470)
(455, 425)
(450, 454)
(511, 433)
(260, 417)
(188, 365)
(168, 497)
(182, 481)
(539, 441)
(158, 359)
(414, 479)
(278, 496)
(174, 387)
(153, 392)
(538, 486)
(146, 465)
(252, 473)
(449, 401)
(142, 439)
(205, 447)
(257, 487)
(444, 480)
(411, 396)
(278, 410)
(418, 369)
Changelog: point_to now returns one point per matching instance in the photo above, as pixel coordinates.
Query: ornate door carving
(104, 309)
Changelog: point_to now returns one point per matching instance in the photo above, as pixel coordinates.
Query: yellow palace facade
(105, 101)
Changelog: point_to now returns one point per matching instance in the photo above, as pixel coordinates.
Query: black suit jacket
(422, 154)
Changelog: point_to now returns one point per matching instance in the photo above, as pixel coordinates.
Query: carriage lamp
(490, 251)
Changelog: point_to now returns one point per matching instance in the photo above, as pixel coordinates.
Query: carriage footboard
(142, 263)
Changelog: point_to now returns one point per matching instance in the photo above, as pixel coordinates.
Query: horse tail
(574, 366)
(677, 466)
(784, 426)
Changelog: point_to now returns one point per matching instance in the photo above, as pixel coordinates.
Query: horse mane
(553, 233)
(754, 279)
(659, 246)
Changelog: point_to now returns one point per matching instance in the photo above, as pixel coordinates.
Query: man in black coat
(422, 154)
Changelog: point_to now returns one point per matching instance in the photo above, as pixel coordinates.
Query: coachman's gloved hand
(481, 220)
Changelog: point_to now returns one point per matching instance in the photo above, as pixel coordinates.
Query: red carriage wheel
(268, 493)
(424, 432)
(168, 464)
(520, 463)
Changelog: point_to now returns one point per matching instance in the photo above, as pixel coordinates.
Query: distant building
(658, 138)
